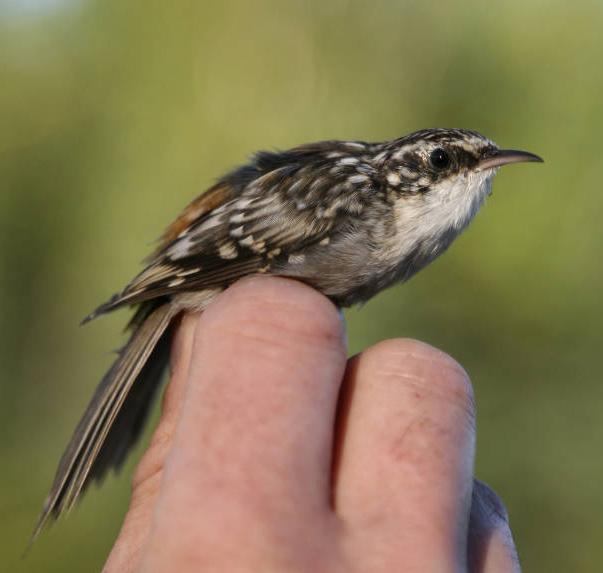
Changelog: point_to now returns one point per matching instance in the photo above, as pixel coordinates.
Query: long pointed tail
(114, 418)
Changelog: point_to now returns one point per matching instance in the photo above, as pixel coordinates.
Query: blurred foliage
(115, 113)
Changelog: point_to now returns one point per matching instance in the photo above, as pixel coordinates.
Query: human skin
(274, 453)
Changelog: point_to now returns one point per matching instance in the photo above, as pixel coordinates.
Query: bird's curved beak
(506, 156)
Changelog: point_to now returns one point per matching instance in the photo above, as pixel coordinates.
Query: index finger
(252, 449)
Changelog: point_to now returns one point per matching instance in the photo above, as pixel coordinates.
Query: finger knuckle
(280, 307)
(428, 369)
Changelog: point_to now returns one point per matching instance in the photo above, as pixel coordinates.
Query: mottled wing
(197, 209)
(255, 216)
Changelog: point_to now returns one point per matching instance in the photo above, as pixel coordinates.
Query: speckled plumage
(348, 218)
(282, 204)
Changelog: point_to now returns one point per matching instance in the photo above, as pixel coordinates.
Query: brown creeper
(347, 217)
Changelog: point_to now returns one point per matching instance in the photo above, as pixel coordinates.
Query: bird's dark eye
(439, 158)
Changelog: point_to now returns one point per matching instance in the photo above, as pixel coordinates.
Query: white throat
(435, 218)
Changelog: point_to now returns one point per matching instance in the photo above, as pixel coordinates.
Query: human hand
(273, 454)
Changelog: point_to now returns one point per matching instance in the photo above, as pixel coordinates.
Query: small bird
(349, 218)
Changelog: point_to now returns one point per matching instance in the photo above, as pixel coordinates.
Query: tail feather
(129, 423)
(107, 429)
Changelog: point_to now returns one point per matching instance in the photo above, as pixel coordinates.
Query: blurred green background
(114, 114)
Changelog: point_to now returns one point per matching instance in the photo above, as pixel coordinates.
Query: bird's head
(442, 176)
